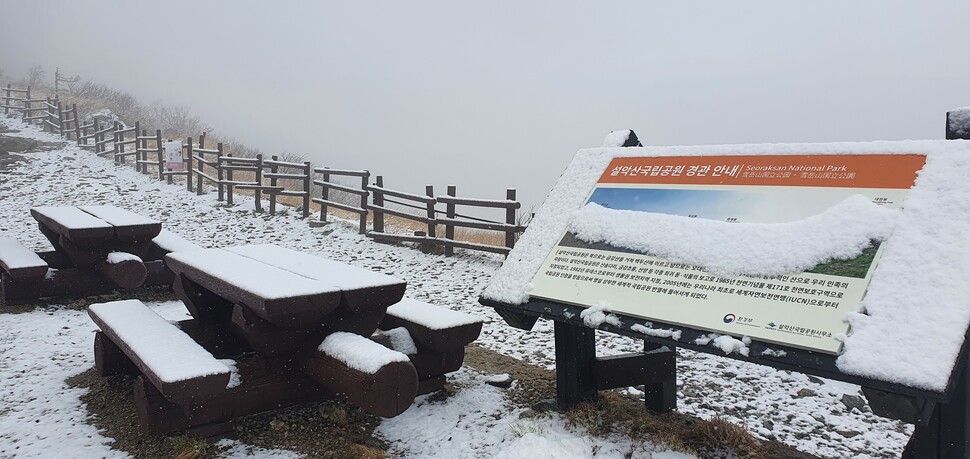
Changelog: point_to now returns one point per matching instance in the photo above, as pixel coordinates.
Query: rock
(766, 423)
(815, 380)
(528, 414)
(729, 374)
(545, 406)
(853, 401)
(847, 433)
(802, 393)
(503, 380)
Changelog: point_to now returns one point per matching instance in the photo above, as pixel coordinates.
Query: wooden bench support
(109, 359)
(267, 339)
(386, 391)
(128, 274)
(204, 305)
(262, 388)
(427, 386)
(73, 283)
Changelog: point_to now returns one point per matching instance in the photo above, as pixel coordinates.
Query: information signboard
(173, 156)
(804, 310)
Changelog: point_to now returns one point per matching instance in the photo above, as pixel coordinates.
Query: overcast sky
(489, 95)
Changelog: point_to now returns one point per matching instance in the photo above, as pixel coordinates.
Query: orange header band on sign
(843, 171)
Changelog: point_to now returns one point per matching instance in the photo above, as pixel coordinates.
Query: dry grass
(614, 414)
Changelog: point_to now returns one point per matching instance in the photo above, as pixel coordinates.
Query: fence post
(160, 155)
(272, 182)
(449, 227)
(510, 218)
(143, 153)
(60, 118)
(432, 215)
(364, 180)
(77, 124)
(188, 169)
(27, 103)
(200, 166)
(48, 119)
(307, 186)
(324, 195)
(117, 147)
(378, 198)
(259, 183)
(219, 173)
(96, 137)
(6, 100)
(229, 185)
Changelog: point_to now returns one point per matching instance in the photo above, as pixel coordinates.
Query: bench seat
(20, 262)
(431, 326)
(177, 366)
(168, 242)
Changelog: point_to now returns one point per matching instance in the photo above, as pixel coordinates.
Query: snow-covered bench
(379, 380)
(176, 365)
(19, 262)
(437, 336)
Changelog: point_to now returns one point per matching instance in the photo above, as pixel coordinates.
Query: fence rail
(326, 185)
(204, 166)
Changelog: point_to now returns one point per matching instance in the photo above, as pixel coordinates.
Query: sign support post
(946, 434)
(575, 364)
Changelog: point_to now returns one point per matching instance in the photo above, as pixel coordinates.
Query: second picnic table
(97, 249)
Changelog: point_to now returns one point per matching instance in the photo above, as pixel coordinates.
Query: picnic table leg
(947, 433)
(575, 360)
(205, 306)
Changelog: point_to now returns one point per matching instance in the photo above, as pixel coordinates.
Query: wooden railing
(451, 220)
(326, 186)
(11, 101)
(282, 171)
(275, 178)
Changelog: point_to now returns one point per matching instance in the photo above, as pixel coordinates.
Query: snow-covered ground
(40, 413)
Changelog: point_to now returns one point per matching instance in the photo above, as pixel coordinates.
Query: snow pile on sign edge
(929, 300)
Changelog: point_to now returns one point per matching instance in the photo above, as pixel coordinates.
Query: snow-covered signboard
(773, 247)
(910, 326)
(173, 156)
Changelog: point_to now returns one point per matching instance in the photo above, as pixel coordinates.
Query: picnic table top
(280, 285)
(93, 225)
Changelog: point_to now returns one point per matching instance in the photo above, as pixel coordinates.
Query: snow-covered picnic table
(96, 249)
(296, 327)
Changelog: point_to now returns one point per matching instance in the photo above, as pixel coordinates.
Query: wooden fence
(218, 168)
(11, 101)
(451, 220)
(326, 186)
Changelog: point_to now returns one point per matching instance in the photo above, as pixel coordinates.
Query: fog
(489, 95)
